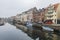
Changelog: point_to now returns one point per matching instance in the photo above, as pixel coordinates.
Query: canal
(10, 32)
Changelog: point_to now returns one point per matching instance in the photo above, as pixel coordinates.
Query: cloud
(12, 7)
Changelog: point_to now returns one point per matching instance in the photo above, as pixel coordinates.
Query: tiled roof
(56, 6)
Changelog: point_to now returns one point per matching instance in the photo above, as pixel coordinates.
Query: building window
(58, 21)
(55, 15)
(50, 12)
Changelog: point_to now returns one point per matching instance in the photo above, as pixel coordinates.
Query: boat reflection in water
(35, 32)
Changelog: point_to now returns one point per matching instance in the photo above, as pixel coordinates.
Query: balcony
(47, 15)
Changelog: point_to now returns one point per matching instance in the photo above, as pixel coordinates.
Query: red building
(39, 15)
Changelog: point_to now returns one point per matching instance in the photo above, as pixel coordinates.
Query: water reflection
(52, 36)
(9, 32)
(44, 35)
(34, 33)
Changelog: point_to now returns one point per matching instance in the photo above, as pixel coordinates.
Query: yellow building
(58, 14)
(53, 13)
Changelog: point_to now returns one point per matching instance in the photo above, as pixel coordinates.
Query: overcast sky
(12, 7)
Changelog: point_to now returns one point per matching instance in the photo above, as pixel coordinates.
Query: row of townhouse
(32, 15)
(52, 12)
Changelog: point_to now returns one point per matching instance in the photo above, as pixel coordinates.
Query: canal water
(10, 32)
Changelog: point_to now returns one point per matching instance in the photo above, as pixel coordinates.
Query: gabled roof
(56, 6)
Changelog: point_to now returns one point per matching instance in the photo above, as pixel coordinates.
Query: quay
(37, 30)
(54, 26)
